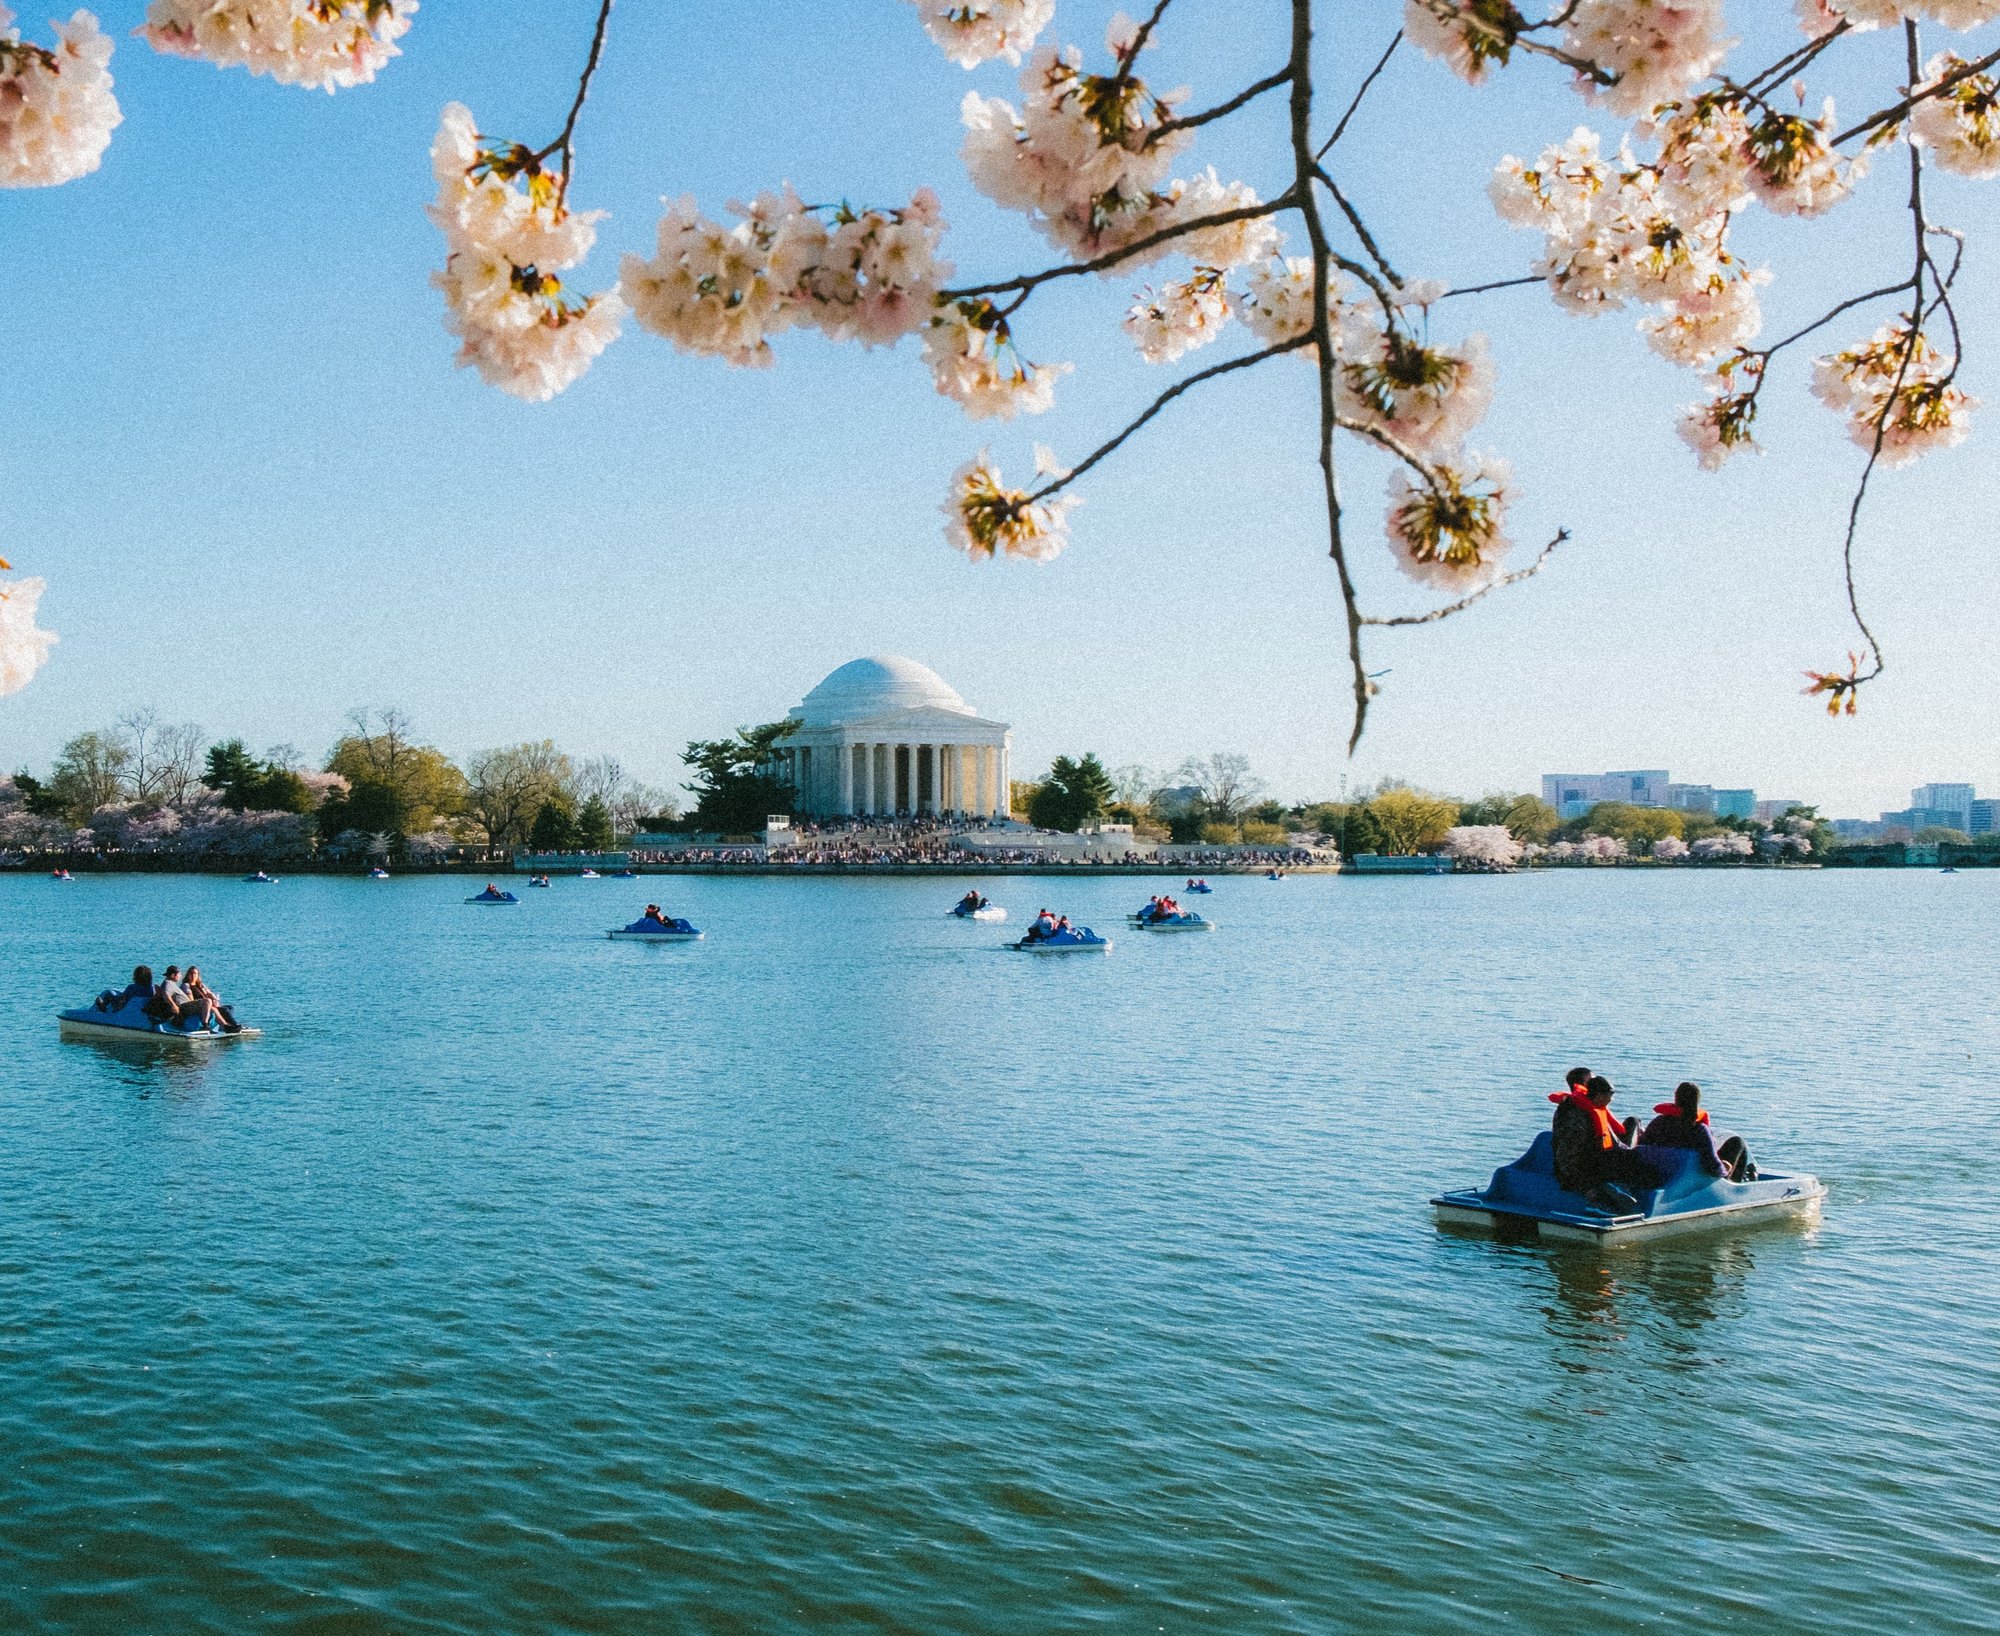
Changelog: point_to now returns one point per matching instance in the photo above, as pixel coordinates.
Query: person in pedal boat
(1594, 1152)
(1683, 1123)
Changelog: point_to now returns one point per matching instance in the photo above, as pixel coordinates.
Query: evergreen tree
(1074, 793)
(555, 828)
(733, 787)
(593, 826)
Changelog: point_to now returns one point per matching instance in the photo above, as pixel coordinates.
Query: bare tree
(179, 753)
(601, 776)
(636, 802)
(1225, 783)
(1133, 785)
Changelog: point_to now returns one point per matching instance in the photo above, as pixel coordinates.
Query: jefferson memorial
(889, 736)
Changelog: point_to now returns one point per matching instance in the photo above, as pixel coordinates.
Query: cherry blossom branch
(1795, 60)
(1069, 269)
(1464, 602)
(565, 144)
(1374, 73)
(1222, 109)
(1306, 166)
(1152, 409)
(1890, 116)
(1130, 54)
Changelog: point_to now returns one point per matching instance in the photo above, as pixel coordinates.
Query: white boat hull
(1634, 1229)
(656, 937)
(73, 1029)
(1103, 947)
(991, 912)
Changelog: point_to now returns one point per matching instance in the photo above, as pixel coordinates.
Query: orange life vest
(1701, 1114)
(1599, 1117)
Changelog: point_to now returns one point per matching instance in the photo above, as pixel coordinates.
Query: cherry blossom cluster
(1085, 156)
(508, 235)
(1896, 386)
(1483, 846)
(1447, 527)
(971, 32)
(23, 646)
(1632, 55)
(56, 107)
(970, 350)
(721, 292)
(1821, 17)
(985, 519)
(1961, 124)
(321, 44)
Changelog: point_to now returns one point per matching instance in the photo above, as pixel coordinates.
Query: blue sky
(232, 439)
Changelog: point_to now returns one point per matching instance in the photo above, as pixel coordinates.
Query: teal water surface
(845, 1272)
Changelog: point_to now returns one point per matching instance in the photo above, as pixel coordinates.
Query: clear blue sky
(235, 445)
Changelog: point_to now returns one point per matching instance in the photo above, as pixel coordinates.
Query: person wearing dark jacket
(140, 988)
(1683, 1123)
(1594, 1155)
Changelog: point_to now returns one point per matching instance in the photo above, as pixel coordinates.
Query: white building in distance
(888, 736)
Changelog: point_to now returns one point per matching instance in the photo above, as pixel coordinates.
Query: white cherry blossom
(870, 275)
(1658, 49)
(23, 646)
(971, 355)
(1426, 398)
(321, 44)
(1179, 317)
(971, 32)
(986, 519)
(508, 235)
(1795, 170)
(1450, 532)
(57, 112)
(1899, 383)
(1961, 125)
(1470, 37)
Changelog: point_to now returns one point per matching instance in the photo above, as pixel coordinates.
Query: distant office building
(1952, 798)
(1985, 818)
(1767, 812)
(1858, 830)
(1736, 803)
(1915, 819)
(1691, 797)
(1574, 794)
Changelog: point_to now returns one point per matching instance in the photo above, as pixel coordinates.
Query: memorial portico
(888, 737)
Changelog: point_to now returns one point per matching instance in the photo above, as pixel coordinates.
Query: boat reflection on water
(152, 1062)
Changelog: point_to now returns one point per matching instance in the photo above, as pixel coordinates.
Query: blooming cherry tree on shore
(1634, 209)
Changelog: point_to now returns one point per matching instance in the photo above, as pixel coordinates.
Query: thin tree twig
(565, 144)
(1221, 110)
(1496, 284)
(1322, 334)
(1374, 73)
(1245, 362)
(1068, 269)
(1360, 228)
(1464, 602)
(1145, 30)
(1889, 116)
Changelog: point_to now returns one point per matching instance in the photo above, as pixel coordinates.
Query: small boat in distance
(378, 874)
(626, 874)
(538, 880)
(1526, 1197)
(657, 926)
(1049, 935)
(493, 894)
(588, 874)
(60, 874)
(976, 906)
(260, 879)
(1198, 886)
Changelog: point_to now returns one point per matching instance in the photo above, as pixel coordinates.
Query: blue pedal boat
(130, 1022)
(489, 896)
(1526, 1195)
(668, 930)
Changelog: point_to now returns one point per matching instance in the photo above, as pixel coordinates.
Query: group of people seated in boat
(1608, 1160)
(1162, 908)
(656, 916)
(1048, 924)
(1196, 885)
(179, 999)
(971, 903)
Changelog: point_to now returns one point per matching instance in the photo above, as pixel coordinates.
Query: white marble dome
(863, 689)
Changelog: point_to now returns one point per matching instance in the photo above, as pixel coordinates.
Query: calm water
(846, 1273)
